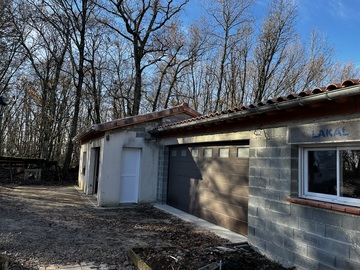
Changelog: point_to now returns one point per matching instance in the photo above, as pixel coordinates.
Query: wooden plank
(138, 262)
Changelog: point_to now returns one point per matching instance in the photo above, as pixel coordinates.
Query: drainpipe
(300, 101)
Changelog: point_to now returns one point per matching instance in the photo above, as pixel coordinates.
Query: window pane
(243, 152)
(208, 152)
(224, 152)
(322, 171)
(195, 152)
(350, 173)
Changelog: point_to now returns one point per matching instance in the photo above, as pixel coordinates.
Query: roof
(99, 129)
(318, 95)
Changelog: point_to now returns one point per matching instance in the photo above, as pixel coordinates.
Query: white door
(129, 182)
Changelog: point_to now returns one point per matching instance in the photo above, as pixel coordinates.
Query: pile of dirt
(47, 225)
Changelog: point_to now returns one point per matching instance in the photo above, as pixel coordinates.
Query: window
(208, 152)
(195, 152)
(243, 152)
(331, 174)
(173, 153)
(224, 152)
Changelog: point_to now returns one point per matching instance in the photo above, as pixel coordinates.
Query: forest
(69, 64)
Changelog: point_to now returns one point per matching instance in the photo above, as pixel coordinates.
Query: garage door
(211, 182)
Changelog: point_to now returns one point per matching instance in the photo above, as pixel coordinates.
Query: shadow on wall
(211, 182)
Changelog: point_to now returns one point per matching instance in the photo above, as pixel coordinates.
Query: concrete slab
(92, 200)
(218, 230)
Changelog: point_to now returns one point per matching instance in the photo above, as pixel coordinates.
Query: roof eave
(299, 101)
(120, 123)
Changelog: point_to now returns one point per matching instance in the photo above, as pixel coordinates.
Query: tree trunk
(138, 79)
(80, 46)
(74, 124)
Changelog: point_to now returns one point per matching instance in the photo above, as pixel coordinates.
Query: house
(285, 172)
(119, 159)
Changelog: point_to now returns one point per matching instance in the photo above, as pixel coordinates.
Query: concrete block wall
(304, 236)
(162, 174)
(330, 239)
(269, 186)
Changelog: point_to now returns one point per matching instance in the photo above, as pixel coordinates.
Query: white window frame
(303, 174)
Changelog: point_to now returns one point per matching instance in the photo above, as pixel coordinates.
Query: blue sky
(338, 20)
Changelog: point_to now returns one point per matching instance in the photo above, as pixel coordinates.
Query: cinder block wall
(308, 237)
(162, 174)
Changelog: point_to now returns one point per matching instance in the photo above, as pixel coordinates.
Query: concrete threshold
(218, 230)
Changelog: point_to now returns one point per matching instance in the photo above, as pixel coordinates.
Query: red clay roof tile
(291, 96)
(273, 102)
(118, 123)
(333, 86)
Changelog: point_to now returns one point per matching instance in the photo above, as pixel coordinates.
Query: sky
(338, 20)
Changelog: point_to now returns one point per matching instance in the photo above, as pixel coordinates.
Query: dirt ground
(46, 225)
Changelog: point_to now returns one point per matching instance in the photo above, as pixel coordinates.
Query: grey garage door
(211, 182)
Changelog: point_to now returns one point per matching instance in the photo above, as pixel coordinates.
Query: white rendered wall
(111, 146)
(81, 176)
(85, 180)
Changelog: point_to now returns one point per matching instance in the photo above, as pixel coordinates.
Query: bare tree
(97, 56)
(78, 16)
(237, 75)
(141, 20)
(10, 47)
(229, 16)
(11, 59)
(277, 32)
(183, 48)
(121, 78)
(67, 72)
(45, 48)
(342, 71)
(319, 61)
